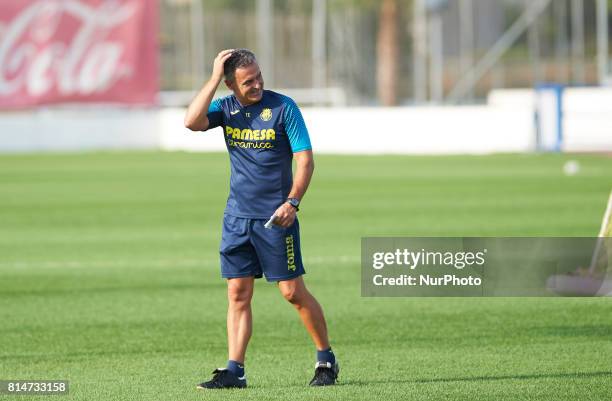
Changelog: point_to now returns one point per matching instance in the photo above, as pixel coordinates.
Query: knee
(239, 295)
(292, 294)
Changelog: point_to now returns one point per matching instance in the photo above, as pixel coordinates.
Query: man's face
(247, 84)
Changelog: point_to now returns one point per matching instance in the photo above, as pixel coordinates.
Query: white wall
(420, 130)
(417, 130)
(82, 129)
(587, 115)
(504, 125)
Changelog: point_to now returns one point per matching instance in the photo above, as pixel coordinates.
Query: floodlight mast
(319, 48)
(603, 69)
(466, 38)
(265, 39)
(419, 35)
(198, 64)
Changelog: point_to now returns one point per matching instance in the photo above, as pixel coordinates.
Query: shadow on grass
(347, 383)
(573, 375)
(574, 331)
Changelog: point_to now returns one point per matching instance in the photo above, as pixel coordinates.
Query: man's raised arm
(196, 119)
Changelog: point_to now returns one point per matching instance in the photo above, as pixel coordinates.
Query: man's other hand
(285, 215)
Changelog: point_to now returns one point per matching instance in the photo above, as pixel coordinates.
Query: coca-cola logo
(65, 47)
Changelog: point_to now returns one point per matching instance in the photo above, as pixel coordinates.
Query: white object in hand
(270, 222)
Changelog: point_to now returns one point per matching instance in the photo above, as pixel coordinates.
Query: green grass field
(109, 278)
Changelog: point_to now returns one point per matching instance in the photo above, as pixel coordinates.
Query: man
(263, 132)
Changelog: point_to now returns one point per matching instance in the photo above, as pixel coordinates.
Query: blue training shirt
(261, 139)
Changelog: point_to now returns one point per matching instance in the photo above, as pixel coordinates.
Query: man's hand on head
(285, 215)
(223, 55)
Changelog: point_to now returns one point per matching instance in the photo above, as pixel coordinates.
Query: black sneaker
(326, 374)
(223, 378)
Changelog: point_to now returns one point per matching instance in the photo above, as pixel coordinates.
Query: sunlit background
(429, 76)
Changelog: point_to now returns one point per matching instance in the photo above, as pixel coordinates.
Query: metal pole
(197, 43)
(466, 37)
(578, 41)
(265, 40)
(533, 42)
(419, 40)
(436, 66)
(561, 47)
(319, 73)
(498, 49)
(602, 41)
(183, 60)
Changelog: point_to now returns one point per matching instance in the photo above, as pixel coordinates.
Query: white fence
(505, 124)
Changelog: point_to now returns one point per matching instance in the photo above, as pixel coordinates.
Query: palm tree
(387, 53)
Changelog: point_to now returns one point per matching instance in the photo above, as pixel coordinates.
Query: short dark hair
(239, 58)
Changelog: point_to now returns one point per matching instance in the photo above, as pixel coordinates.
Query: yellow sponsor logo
(290, 253)
(250, 145)
(248, 134)
(266, 114)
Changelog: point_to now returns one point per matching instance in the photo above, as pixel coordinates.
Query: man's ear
(229, 84)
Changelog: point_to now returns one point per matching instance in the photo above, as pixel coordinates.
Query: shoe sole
(219, 388)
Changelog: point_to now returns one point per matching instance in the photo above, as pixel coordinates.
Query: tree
(387, 53)
(387, 44)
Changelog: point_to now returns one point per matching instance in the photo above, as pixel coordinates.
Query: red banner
(59, 51)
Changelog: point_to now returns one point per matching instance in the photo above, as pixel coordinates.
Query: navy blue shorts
(248, 249)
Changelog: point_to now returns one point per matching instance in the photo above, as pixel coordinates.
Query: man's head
(243, 77)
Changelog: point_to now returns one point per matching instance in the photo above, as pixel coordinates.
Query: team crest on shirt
(266, 114)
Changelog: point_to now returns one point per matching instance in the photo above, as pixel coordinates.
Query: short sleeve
(215, 114)
(295, 126)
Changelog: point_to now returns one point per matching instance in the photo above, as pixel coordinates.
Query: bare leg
(309, 309)
(239, 316)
